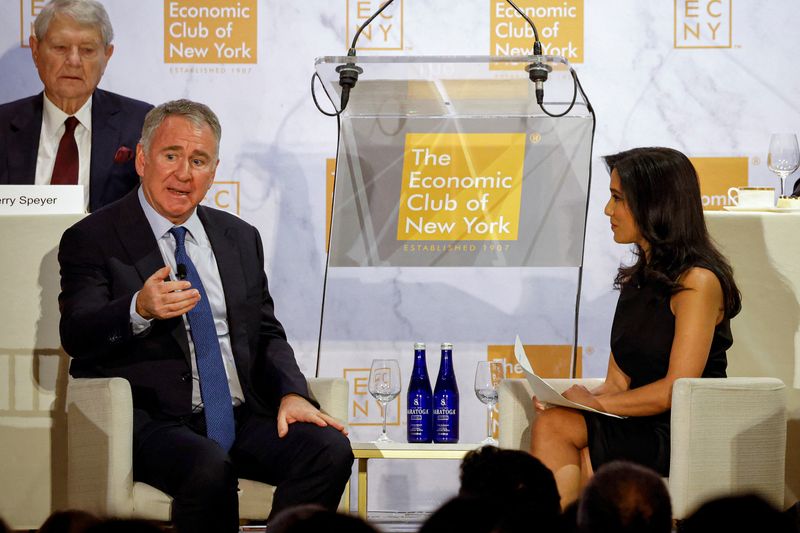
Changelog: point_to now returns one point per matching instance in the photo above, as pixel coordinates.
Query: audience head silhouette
(495, 473)
(469, 514)
(121, 525)
(625, 498)
(732, 514)
(314, 519)
(69, 521)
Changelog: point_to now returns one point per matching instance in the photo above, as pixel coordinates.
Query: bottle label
(445, 419)
(418, 417)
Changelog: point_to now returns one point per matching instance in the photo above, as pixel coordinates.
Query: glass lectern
(459, 207)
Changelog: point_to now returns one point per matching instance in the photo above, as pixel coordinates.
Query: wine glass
(784, 155)
(488, 375)
(384, 385)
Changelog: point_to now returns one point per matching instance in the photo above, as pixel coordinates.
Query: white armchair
(728, 435)
(100, 440)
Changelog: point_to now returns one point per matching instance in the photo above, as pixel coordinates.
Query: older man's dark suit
(116, 123)
(106, 258)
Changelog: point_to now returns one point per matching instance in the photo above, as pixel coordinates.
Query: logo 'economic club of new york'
(210, 31)
(559, 23)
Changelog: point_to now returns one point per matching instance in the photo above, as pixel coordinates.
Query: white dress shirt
(50, 137)
(198, 247)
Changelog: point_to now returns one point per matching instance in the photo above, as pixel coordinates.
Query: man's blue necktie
(214, 388)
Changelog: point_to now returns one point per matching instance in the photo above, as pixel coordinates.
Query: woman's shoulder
(700, 286)
(700, 278)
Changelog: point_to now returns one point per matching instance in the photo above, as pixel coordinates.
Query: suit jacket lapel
(105, 138)
(23, 143)
(137, 239)
(140, 243)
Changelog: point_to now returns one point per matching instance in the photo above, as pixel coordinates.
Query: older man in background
(72, 133)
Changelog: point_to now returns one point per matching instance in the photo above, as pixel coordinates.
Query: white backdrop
(712, 78)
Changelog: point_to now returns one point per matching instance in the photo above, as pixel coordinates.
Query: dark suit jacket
(116, 122)
(106, 257)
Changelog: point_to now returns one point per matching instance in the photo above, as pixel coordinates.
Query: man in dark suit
(73, 132)
(123, 313)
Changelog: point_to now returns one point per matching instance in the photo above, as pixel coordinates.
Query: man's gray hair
(84, 12)
(198, 114)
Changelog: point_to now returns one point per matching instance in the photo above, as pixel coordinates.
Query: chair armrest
(727, 435)
(517, 412)
(99, 446)
(332, 394)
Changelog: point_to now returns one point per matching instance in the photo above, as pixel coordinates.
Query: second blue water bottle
(445, 400)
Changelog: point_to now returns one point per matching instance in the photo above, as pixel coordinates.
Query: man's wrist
(139, 324)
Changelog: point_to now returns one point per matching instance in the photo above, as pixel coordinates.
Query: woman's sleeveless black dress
(641, 340)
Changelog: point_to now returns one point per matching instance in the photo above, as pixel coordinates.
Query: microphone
(348, 76)
(348, 73)
(181, 271)
(538, 70)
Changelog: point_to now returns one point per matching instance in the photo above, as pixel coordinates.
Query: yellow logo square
(210, 31)
(461, 186)
(559, 23)
(703, 23)
(717, 175)
(547, 360)
(223, 195)
(383, 33)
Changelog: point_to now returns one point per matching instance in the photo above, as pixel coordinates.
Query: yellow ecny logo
(364, 410)
(383, 33)
(28, 10)
(703, 23)
(223, 195)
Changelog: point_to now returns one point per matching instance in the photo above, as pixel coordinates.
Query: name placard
(41, 199)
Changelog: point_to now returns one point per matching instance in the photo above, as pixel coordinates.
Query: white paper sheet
(544, 392)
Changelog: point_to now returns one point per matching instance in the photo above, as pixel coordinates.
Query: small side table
(364, 451)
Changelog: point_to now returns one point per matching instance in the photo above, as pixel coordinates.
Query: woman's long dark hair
(663, 195)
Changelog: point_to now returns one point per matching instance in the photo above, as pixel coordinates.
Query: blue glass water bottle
(445, 400)
(419, 419)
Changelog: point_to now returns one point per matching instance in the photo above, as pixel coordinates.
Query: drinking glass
(384, 385)
(488, 376)
(784, 155)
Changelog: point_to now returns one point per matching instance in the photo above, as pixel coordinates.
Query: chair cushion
(255, 499)
(150, 503)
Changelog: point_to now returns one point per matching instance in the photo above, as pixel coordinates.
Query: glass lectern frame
(459, 207)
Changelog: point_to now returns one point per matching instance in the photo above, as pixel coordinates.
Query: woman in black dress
(672, 321)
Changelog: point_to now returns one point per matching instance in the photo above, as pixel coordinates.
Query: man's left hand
(295, 408)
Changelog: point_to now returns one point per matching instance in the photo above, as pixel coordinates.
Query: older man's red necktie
(65, 170)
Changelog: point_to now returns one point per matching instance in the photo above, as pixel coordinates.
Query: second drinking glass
(384, 386)
(488, 376)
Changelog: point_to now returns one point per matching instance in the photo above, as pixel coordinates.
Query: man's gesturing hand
(165, 299)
